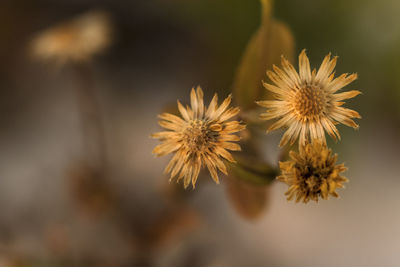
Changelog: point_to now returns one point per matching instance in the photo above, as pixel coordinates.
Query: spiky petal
(307, 103)
(201, 137)
(312, 173)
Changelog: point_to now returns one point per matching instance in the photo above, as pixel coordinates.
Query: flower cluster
(308, 105)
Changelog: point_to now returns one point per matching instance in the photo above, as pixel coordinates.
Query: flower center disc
(313, 177)
(197, 135)
(309, 102)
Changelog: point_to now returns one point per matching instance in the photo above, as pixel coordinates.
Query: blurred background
(64, 205)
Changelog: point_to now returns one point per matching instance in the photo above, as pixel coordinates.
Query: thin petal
(172, 162)
(345, 120)
(320, 131)
(278, 80)
(165, 135)
(290, 70)
(183, 112)
(280, 123)
(212, 170)
(166, 148)
(326, 68)
(304, 67)
(230, 146)
(348, 112)
(229, 114)
(190, 112)
(171, 118)
(219, 163)
(346, 95)
(221, 108)
(194, 103)
(288, 134)
(179, 164)
(170, 125)
(330, 128)
(284, 77)
(188, 176)
(196, 171)
(272, 103)
(200, 97)
(341, 82)
(224, 153)
(313, 131)
(233, 127)
(213, 106)
(275, 89)
(303, 135)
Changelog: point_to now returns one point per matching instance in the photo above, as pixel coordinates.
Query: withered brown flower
(307, 102)
(312, 173)
(200, 138)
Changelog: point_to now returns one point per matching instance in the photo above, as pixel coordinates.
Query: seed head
(312, 173)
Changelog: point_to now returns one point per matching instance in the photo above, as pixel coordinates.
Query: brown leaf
(248, 200)
(264, 49)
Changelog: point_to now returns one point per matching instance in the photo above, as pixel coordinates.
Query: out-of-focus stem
(90, 116)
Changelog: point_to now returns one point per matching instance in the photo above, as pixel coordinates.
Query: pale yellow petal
(304, 67)
(346, 95)
(183, 112)
(213, 106)
(200, 97)
(194, 103)
(222, 108)
(230, 146)
(172, 118)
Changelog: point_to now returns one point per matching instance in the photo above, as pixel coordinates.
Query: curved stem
(253, 171)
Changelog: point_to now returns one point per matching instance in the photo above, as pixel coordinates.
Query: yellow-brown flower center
(198, 135)
(309, 102)
(311, 177)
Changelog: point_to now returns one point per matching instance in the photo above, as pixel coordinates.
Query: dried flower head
(200, 138)
(312, 173)
(306, 102)
(76, 40)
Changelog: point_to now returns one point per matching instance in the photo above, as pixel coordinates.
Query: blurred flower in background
(75, 40)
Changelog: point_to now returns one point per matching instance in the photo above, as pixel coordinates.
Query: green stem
(253, 171)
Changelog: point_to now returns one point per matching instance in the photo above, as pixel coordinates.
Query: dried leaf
(248, 200)
(264, 49)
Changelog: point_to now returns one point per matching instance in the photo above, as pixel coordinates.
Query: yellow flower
(312, 173)
(200, 138)
(76, 40)
(307, 102)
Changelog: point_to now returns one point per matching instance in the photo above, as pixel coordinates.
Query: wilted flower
(312, 173)
(307, 102)
(76, 40)
(201, 137)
